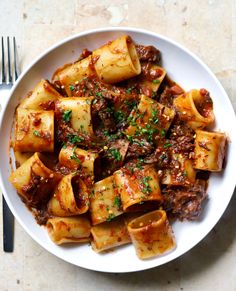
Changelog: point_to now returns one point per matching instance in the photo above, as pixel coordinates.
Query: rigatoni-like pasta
(34, 181)
(71, 74)
(209, 150)
(105, 202)
(196, 108)
(117, 60)
(138, 190)
(43, 97)
(151, 234)
(108, 235)
(68, 229)
(70, 197)
(75, 158)
(76, 112)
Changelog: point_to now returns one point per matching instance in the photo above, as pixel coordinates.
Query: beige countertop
(206, 27)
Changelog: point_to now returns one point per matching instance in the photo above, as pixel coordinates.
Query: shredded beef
(185, 202)
(148, 53)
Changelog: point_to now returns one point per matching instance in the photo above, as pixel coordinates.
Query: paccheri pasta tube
(70, 197)
(209, 150)
(75, 113)
(34, 181)
(196, 108)
(68, 229)
(105, 202)
(151, 234)
(70, 75)
(75, 158)
(34, 130)
(139, 190)
(43, 97)
(117, 60)
(108, 235)
(179, 172)
(149, 120)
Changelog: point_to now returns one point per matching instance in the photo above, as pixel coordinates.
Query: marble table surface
(206, 27)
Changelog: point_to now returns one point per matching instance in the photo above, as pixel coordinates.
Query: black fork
(7, 81)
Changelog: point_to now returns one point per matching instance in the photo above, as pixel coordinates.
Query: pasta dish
(111, 151)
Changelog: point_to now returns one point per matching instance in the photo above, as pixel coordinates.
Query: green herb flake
(117, 201)
(67, 115)
(75, 157)
(98, 94)
(185, 173)
(110, 217)
(88, 101)
(163, 132)
(37, 133)
(146, 187)
(167, 145)
(115, 154)
(119, 116)
(75, 138)
(128, 91)
(72, 88)
(156, 81)
(95, 101)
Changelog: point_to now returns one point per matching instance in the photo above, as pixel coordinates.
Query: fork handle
(8, 227)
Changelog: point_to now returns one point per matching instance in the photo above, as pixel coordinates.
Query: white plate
(189, 72)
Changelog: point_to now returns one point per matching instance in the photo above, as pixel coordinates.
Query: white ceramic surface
(189, 72)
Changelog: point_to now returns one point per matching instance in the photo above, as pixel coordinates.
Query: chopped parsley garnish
(156, 81)
(67, 115)
(74, 138)
(115, 154)
(37, 133)
(88, 101)
(72, 88)
(130, 103)
(163, 132)
(110, 216)
(95, 101)
(167, 145)
(155, 118)
(119, 116)
(99, 94)
(128, 91)
(117, 202)
(75, 157)
(185, 173)
(146, 187)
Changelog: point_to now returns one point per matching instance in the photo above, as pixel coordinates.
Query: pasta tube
(196, 108)
(76, 113)
(71, 74)
(68, 229)
(209, 150)
(42, 97)
(151, 234)
(181, 171)
(34, 181)
(105, 203)
(70, 197)
(34, 130)
(108, 235)
(75, 158)
(139, 190)
(150, 119)
(117, 60)
(152, 79)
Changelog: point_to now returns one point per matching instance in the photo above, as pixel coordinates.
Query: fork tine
(15, 59)
(9, 60)
(3, 64)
